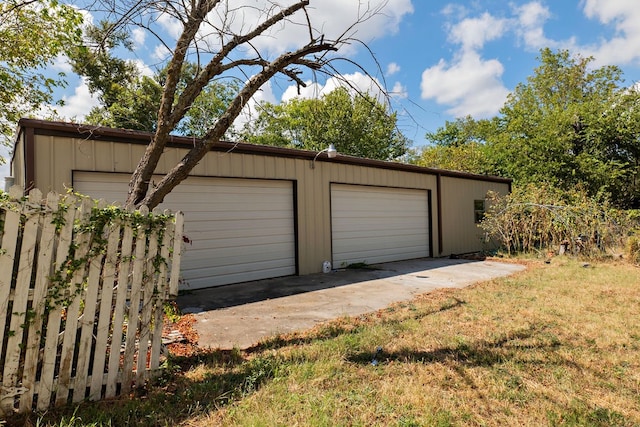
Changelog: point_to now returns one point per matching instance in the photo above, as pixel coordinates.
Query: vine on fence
(82, 315)
(95, 227)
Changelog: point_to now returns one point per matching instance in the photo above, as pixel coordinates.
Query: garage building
(254, 212)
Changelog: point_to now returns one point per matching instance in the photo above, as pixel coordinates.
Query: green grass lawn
(558, 344)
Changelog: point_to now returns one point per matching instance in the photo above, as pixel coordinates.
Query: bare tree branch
(191, 159)
(217, 33)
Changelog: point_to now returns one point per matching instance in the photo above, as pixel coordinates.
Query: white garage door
(241, 229)
(378, 224)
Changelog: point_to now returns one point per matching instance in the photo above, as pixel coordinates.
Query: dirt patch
(180, 336)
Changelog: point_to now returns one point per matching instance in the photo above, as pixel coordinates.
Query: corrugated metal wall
(461, 233)
(56, 157)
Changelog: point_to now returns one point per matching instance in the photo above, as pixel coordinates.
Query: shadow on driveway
(242, 314)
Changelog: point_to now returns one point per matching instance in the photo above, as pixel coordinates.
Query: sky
(438, 60)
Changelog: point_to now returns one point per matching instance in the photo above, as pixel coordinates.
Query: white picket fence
(82, 289)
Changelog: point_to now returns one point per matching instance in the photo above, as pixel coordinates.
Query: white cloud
(312, 90)
(399, 91)
(356, 82)
(621, 49)
(469, 85)
(250, 110)
(392, 69)
(624, 47)
(455, 11)
(61, 63)
(143, 68)
(138, 35)
(170, 24)
(161, 53)
(529, 26)
(473, 33)
(608, 10)
(329, 18)
(77, 105)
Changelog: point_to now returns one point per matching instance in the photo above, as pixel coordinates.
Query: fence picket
(102, 347)
(71, 300)
(43, 270)
(115, 370)
(87, 321)
(163, 294)
(7, 259)
(72, 314)
(133, 310)
(177, 255)
(11, 375)
(148, 291)
(45, 385)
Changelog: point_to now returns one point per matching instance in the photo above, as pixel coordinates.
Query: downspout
(29, 159)
(10, 180)
(439, 210)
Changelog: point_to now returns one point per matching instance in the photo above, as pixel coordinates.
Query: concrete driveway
(243, 314)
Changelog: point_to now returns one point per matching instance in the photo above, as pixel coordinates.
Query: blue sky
(440, 59)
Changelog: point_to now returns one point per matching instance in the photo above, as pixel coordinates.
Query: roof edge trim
(92, 132)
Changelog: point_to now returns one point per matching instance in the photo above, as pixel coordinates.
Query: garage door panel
(231, 254)
(233, 215)
(218, 278)
(378, 224)
(241, 229)
(234, 266)
(382, 227)
(376, 207)
(253, 225)
(220, 275)
(379, 256)
(232, 203)
(385, 242)
(205, 234)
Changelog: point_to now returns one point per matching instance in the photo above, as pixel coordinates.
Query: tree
(106, 74)
(356, 124)
(207, 107)
(569, 125)
(459, 145)
(131, 100)
(135, 107)
(222, 41)
(552, 128)
(615, 138)
(469, 157)
(128, 100)
(460, 132)
(33, 34)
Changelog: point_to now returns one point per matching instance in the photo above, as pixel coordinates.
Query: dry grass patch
(558, 344)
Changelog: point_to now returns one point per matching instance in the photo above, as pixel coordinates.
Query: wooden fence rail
(82, 293)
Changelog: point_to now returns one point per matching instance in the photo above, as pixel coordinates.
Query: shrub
(633, 248)
(542, 218)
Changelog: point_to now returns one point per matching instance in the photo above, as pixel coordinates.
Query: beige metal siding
(240, 229)
(378, 224)
(56, 157)
(461, 233)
